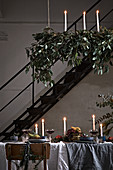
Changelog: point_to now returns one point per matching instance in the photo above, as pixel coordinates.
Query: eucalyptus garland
(70, 47)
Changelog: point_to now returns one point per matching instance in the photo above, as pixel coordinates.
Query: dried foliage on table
(106, 119)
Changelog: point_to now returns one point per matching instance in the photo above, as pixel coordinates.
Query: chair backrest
(16, 152)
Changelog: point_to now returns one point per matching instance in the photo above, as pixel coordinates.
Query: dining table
(70, 156)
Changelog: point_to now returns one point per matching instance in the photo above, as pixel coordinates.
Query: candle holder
(94, 134)
(102, 139)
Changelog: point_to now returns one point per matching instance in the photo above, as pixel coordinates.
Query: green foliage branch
(70, 47)
(107, 119)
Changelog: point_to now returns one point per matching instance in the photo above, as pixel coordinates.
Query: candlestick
(84, 20)
(65, 20)
(97, 16)
(43, 127)
(64, 121)
(36, 128)
(93, 116)
(101, 131)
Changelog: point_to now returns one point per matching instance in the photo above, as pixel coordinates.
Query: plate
(37, 140)
(86, 138)
(90, 142)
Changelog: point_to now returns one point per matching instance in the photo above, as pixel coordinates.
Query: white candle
(36, 128)
(93, 116)
(101, 131)
(64, 122)
(97, 17)
(65, 20)
(84, 20)
(43, 127)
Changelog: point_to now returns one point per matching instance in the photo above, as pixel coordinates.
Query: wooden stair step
(59, 88)
(20, 124)
(48, 99)
(69, 77)
(35, 111)
(83, 66)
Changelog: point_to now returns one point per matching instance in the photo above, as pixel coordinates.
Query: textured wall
(19, 20)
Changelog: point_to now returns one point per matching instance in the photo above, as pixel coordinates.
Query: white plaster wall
(18, 21)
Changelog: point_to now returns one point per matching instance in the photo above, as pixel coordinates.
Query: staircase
(50, 98)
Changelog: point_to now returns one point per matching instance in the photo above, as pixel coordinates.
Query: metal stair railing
(38, 102)
(32, 83)
(102, 19)
(87, 11)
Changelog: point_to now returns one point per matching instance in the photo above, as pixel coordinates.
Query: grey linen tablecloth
(84, 156)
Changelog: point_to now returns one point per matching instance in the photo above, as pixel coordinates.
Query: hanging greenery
(71, 47)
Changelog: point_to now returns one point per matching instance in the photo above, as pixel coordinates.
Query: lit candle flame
(43, 130)
(64, 121)
(65, 11)
(101, 132)
(93, 116)
(64, 118)
(97, 16)
(84, 20)
(36, 128)
(84, 12)
(65, 20)
(43, 120)
(97, 11)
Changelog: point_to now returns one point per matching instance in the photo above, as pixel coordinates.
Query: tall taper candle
(84, 20)
(36, 128)
(43, 128)
(93, 116)
(65, 124)
(65, 20)
(97, 17)
(101, 131)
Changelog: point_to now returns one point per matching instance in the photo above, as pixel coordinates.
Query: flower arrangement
(73, 134)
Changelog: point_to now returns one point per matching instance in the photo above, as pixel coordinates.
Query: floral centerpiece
(73, 134)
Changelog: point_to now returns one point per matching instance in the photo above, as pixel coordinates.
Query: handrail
(26, 111)
(34, 103)
(74, 23)
(14, 76)
(32, 83)
(102, 18)
(16, 96)
(29, 62)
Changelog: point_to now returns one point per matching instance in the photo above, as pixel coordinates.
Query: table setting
(73, 150)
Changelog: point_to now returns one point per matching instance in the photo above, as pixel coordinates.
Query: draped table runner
(84, 156)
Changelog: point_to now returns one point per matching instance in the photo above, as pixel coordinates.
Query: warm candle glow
(65, 20)
(43, 128)
(93, 116)
(97, 17)
(101, 131)
(64, 121)
(97, 11)
(84, 20)
(64, 118)
(36, 128)
(65, 11)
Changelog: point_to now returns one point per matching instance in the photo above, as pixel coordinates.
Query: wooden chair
(15, 152)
